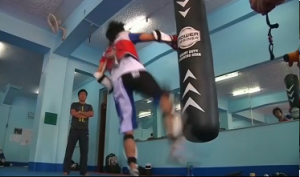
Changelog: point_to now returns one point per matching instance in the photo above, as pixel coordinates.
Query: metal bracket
(91, 25)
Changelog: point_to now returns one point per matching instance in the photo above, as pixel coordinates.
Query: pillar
(45, 136)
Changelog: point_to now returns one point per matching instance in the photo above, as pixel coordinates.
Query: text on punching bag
(193, 36)
(189, 53)
(188, 37)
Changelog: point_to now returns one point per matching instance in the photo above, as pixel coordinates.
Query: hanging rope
(270, 37)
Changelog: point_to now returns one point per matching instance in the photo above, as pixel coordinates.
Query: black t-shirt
(77, 123)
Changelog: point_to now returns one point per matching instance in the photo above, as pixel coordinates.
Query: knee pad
(136, 156)
(131, 160)
(128, 136)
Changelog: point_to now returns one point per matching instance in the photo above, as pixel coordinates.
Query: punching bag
(199, 103)
(292, 90)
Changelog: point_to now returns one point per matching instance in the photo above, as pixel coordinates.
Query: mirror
(246, 98)
(271, 103)
(146, 113)
(255, 96)
(234, 100)
(149, 118)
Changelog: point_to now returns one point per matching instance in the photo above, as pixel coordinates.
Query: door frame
(103, 94)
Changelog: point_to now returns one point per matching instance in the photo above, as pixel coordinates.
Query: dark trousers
(74, 136)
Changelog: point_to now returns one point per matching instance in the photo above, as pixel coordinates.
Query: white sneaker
(134, 172)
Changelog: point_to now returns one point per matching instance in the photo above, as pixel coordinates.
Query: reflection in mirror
(246, 98)
(146, 119)
(149, 118)
(271, 103)
(252, 94)
(234, 100)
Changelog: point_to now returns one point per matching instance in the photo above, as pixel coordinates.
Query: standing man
(81, 112)
(129, 75)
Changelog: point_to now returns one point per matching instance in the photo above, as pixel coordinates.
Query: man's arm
(76, 114)
(141, 37)
(154, 36)
(101, 68)
(101, 77)
(90, 112)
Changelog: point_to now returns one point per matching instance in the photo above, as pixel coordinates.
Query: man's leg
(177, 148)
(130, 151)
(84, 149)
(147, 85)
(72, 140)
(123, 95)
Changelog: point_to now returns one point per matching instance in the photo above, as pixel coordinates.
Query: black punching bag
(199, 103)
(292, 89)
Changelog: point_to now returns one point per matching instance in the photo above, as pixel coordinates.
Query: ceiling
(20, 68)
(160, 13)
(35, 12)
(23, 68)
(160, 16)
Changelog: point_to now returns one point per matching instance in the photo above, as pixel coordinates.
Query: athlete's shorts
(124, 87)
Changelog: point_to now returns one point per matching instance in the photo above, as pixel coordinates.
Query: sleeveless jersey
(125, 55)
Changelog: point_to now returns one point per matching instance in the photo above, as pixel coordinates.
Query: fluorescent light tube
(144, 114)
(246, 91)
(226, 76)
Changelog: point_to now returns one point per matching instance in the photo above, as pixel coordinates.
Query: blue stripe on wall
(291, 170)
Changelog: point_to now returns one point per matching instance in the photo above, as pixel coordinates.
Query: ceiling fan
(55, 25)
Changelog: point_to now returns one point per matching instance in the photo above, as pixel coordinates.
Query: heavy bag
(199, 101)
(292, 90)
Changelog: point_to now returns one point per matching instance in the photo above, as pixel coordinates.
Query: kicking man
(128, 75)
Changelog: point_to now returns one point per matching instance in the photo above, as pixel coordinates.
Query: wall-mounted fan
(54, 25)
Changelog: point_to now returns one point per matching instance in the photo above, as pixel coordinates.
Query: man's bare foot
(65, 173)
